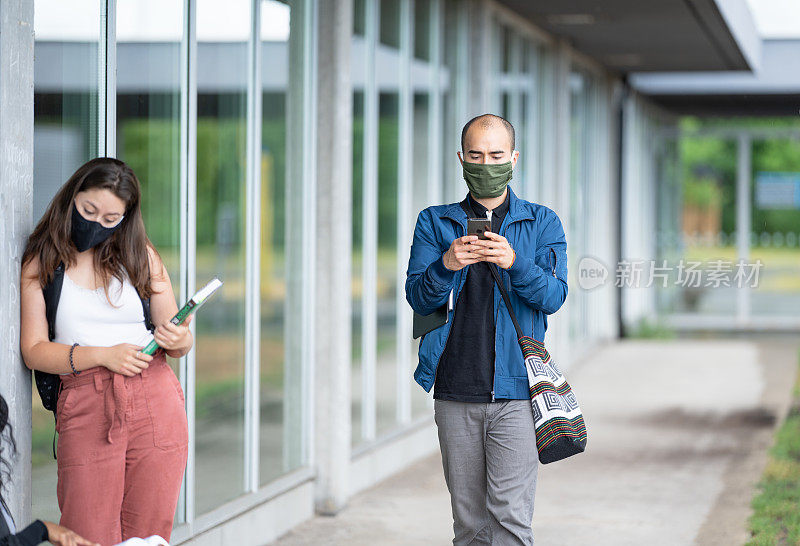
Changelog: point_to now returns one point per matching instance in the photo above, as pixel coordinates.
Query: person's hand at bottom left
(61, 536)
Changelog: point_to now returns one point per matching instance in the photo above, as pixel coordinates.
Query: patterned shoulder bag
(560, 430)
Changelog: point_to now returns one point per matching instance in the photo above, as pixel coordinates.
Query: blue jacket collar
(515, 210)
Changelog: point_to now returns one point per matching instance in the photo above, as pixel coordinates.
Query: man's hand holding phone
(495, 249)
(479, 245)
(461, 253)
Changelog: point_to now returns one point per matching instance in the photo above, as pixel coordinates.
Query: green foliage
(701, 193)
(776, 156)
(715, 159)
(707, 162)
(151, 147)
(652, 330)
(388, 134)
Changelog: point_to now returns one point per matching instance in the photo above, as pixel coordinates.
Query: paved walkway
(678, 433)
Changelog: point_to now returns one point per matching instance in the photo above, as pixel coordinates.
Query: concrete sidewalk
(678, 433)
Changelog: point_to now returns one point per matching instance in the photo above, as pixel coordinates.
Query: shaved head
(486, 121)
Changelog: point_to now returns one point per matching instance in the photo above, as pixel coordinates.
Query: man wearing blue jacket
(473, 362)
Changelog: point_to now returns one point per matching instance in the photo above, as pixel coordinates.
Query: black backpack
(48, 384)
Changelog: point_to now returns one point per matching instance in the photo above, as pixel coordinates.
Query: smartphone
(476, 226)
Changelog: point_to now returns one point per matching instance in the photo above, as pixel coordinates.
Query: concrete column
(332, 426)
(16, 205)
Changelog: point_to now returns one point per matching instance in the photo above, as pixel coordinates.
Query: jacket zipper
(455, 303)
(497, 313)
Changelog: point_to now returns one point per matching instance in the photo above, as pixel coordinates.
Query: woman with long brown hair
(120, 417)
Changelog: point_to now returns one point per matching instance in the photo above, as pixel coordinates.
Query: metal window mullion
(435, 181)
(743, 220)
(106, 80)
(404, 219)
(188, 231)
(533, 179)
(253, 254)
(370, 223)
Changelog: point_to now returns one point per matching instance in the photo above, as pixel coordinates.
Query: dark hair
(5, 465)
(487, 120)
(126, 251)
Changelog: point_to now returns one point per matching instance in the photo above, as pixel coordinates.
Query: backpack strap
(52, 293)
(148, 318)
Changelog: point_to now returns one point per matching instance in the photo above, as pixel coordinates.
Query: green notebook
(191, 306)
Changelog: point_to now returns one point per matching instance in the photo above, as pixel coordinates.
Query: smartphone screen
(476, 226)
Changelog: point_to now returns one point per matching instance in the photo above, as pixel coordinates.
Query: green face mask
(487, 180)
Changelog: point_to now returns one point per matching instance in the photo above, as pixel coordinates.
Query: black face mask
(87, 233)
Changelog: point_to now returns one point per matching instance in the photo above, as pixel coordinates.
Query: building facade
(287, 147)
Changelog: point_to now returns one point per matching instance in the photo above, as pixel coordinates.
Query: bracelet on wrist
(71, 362)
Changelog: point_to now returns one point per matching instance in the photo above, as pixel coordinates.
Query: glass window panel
(521, 138)
(390, 18)
(419, 199)
(506, 105)
(580, 155)
(149, 123)
(356, 389)
(506, 40)
(275, 436)
(422, 34)
(386, 359)
(222, 34)
(359, 9)
(775, 229)
(65, 135)
(708, 213)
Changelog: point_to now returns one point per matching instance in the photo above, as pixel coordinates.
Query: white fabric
(154, 540)
(87, 318)
(9, 521)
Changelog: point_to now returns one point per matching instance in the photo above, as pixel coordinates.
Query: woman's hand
(174, 339)
(126, 359)
(61, 536)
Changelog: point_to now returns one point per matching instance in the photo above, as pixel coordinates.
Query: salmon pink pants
(122, 445)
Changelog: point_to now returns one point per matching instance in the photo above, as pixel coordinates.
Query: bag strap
(506, 299)
(504, 293)
(148, 319)
(52, 293)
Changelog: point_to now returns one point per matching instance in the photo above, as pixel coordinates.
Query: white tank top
(85, 316)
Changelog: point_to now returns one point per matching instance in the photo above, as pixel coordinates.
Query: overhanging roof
(772, 89)
(652, 35)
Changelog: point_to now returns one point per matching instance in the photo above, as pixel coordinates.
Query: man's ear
(514, 158)
(461, 159)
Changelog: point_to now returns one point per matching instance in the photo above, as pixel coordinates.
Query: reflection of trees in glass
(220, 180)
(776, 156)
(718, 156)
(709, 175)
(387, 172)
(150, 147)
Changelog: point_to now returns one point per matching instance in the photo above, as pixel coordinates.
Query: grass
(646, 329)
(776, 517)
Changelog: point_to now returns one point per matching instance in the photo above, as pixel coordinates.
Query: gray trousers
(490, 463)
